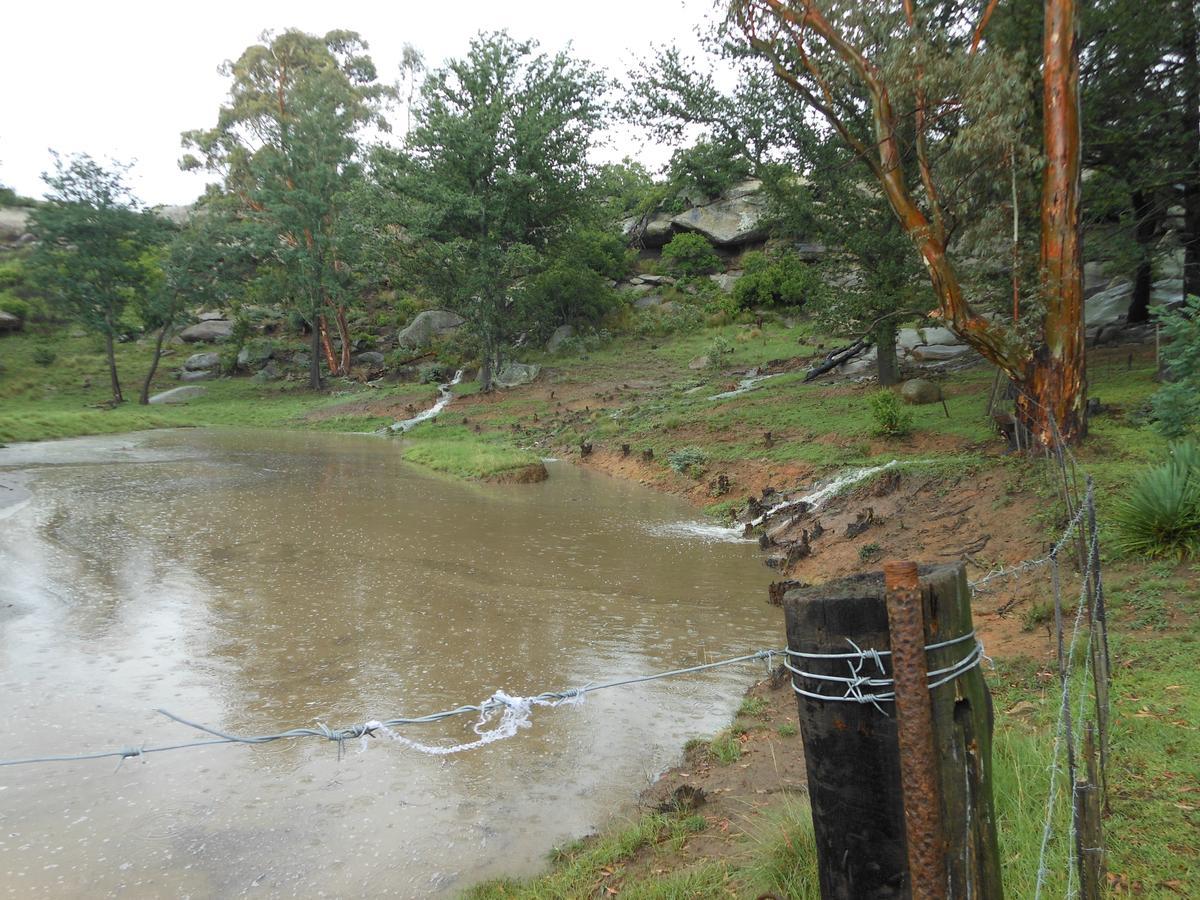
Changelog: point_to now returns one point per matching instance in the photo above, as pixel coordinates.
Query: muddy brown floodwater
(257, 582)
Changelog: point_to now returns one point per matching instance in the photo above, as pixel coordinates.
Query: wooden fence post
(852, 750)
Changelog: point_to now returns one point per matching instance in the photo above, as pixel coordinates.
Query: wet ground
(257, 582)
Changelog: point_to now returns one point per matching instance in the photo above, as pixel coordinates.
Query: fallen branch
(836, 358)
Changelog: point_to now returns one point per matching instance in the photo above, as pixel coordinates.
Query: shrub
(14, 306)
(782, 280)
(688, 460)
(567, 293)
(690, 255)
(44, 356)
(1176, 405)
(12, 276)
(891, 418)
(1160, 516)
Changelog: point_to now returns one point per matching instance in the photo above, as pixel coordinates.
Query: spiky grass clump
(1160, 517)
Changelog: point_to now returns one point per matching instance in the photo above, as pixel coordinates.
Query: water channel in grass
(258, 581)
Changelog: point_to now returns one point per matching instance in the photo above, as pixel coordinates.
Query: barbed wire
(1031, 564)
(516, 709)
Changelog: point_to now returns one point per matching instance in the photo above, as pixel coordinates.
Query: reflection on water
(257, 582)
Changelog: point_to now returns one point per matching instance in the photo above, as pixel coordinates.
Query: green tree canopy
(495, 176)
(285, 145)
(91, 255)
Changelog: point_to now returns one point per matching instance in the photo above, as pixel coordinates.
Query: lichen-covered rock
(426, 326)
(561, 334)
(939, 352)
(209, 331)
(202, 362)
(513, 373)
(727, 222)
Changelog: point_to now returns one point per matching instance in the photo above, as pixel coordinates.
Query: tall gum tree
(285, 145)
(889, 77)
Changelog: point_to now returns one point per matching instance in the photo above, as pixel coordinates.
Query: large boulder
(197, 376)
(729, 221)
(513, 373)
(371, 359)
(14, 225)
(561, 334)
(202, 362)
(209, 331)
(1112, 304)
(179, 394)
(939, 352)
(648, 232)
(9, 322)
(426, 326)
(919, 391)
(254, 355)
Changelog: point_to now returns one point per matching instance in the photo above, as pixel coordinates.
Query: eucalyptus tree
(93, 238)
(285, 146)
(937, 115)
(494, 176)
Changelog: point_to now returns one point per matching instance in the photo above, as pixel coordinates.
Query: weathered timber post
(851, 745)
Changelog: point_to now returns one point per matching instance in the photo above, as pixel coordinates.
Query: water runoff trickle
(445, 395)
(707, 531)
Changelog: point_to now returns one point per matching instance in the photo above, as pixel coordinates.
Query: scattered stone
(202, 362)
(426, 326)
(650, 300)
(652, 279)
(253, 355)
(179, 394)
(561, 334)
(209, 331)
(700, 362)
(920, 391)
(266, 373)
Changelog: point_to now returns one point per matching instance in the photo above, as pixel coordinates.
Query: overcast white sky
(122, 80)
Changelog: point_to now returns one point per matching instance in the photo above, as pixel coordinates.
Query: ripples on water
(259, 581)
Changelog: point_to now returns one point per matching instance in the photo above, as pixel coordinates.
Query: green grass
(456, 450)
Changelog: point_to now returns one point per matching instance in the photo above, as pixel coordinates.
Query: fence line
(514, 707)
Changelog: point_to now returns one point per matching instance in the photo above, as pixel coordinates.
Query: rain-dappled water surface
(257, 582)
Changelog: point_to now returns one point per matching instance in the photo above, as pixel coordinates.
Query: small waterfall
(722, 533)
(445, 395)
(821, 494)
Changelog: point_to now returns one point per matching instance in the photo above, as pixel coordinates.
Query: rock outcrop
(736, 219)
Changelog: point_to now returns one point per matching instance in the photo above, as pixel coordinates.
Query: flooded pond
(257, 582)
